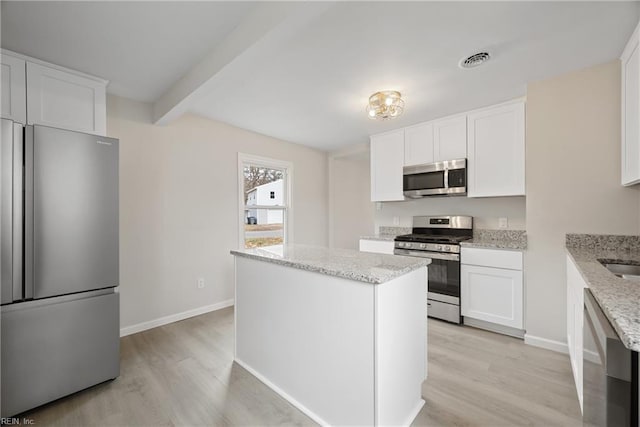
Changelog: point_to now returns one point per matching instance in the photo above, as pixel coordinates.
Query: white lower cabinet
(491, 285)
(376, 246)
(575, 322)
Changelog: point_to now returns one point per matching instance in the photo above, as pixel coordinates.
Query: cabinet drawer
(492, 258)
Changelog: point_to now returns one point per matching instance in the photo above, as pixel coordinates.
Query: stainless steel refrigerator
(59, 264)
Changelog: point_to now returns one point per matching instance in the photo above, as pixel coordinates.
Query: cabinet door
(492, 294)
(450, 139)
(496, 162)
(387, 159)
(418, 144)
(575, 322)
(65, 100)
(630, 149)
(14, 95)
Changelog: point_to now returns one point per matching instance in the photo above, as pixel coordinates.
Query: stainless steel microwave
(448, 178)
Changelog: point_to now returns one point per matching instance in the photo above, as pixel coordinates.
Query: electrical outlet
(396, 220)
(200, 283)
(503, 223)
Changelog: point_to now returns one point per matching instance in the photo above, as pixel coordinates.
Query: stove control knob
(422, 246)
(439, 248)
(447, 248)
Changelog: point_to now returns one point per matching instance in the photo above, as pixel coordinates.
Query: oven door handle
(425, 254)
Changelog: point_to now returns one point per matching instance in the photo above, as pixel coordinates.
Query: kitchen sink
(622, 269)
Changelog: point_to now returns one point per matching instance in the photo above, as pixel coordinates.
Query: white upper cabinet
(387, 160)
(65, 100)
(630, 95)
(435, 141)
(450, 138)
(496, 151)
(418, 144)
(14, 95)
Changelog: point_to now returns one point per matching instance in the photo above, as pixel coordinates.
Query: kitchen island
(340, 334)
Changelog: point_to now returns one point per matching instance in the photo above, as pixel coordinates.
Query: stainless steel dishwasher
(610, 374)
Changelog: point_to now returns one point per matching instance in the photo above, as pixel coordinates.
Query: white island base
(344, 352)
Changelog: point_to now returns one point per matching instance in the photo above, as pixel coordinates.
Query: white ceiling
(141, 47)
(306, 79)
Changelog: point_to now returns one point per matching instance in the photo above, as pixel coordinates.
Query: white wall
(485, 211)
(179, 202)
(351, 209)
(573, 183)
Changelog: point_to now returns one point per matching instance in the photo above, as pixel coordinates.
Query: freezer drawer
(56, 347)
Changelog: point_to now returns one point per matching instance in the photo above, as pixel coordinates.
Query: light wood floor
(183, 374)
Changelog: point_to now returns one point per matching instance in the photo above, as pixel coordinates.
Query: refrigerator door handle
(6, 212)
(28, 213)
(18, 171)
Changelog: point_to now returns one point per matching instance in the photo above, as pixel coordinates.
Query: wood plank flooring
(183, 374)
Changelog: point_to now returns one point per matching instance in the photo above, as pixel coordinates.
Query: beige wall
(485, 211)
(179, 207)
(351, 209)
(573, 183)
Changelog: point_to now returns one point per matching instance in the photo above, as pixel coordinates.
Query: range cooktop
(431, 238)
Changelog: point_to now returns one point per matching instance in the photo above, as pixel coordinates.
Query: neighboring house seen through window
(264, 201)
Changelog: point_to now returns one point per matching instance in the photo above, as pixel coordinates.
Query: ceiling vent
(474, 60)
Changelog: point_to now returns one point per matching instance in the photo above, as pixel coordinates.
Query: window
(264, 202)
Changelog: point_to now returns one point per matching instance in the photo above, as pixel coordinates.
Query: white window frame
(287, 207)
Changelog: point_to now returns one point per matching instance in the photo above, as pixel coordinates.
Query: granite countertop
(381, 237)
(497, 239)
(619, 298)
(387, 234)
(348, 264)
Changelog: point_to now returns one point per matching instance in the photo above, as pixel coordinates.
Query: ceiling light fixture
(385, 105)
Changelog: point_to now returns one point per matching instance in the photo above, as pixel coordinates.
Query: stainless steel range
(438, 238)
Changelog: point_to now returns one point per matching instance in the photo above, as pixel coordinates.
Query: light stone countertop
(619, 298)
(497, 239)
(348, 264)
(388, 234)
(380, 237)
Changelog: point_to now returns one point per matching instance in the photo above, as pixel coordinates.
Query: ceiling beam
(260, 33)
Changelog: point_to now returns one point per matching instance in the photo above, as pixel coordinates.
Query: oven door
(444, 272)
(444, 275)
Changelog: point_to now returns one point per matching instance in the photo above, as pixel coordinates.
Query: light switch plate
(503, 223)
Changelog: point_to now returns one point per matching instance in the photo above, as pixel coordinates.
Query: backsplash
(603, 241)
(485, 211)
(489, 235)
(394, 231)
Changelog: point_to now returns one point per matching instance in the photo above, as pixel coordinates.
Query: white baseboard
(560, 347)
(128, 330)
(282, 393)
(414, 413)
